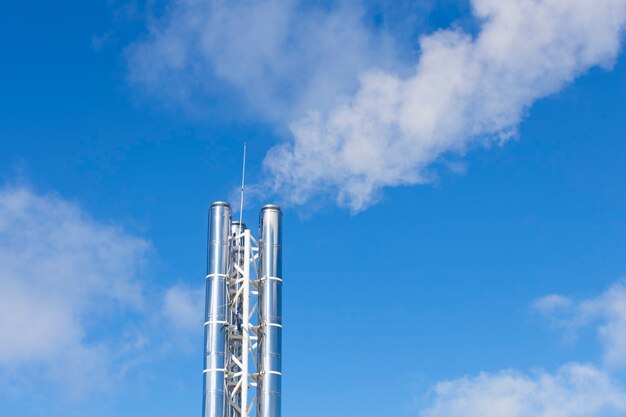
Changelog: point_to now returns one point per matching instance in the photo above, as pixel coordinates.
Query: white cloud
(284, 57)
(361, 120)
(183, 313)
(575, 390)
(465, 91)
(608, 310)
(61, 275)
(76, 311)
(183, 307)
(552, 303)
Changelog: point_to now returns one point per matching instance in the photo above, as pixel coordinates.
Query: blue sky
(452, 181)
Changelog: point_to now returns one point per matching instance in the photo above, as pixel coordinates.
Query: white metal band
(271, 279)
(274, 373)
(213, 370)
(274, 325)
(216, 275)
(215, 322)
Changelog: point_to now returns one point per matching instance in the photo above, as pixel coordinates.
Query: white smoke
(465, 91)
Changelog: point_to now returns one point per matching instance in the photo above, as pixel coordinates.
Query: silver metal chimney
(243, 318)
(215, 326)
(270, 312)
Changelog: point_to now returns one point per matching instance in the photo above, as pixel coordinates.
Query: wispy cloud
(608, 309)
(283, 57)
(183, 306)
(573, 390)
(360, 120)
(77, 310)
(465, 91)
(60, 273)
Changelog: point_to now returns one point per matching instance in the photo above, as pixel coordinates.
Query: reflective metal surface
(215, 327)
(239, 354)
(270, 312)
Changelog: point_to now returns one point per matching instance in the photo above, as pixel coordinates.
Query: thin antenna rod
(243, 178)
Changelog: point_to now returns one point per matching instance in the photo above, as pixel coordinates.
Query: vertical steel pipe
(270, 312)
(216, 321)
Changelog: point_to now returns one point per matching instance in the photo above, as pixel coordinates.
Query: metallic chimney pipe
(270, 312)
(215, 327)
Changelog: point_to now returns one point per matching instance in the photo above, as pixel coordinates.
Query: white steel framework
(242, 335)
